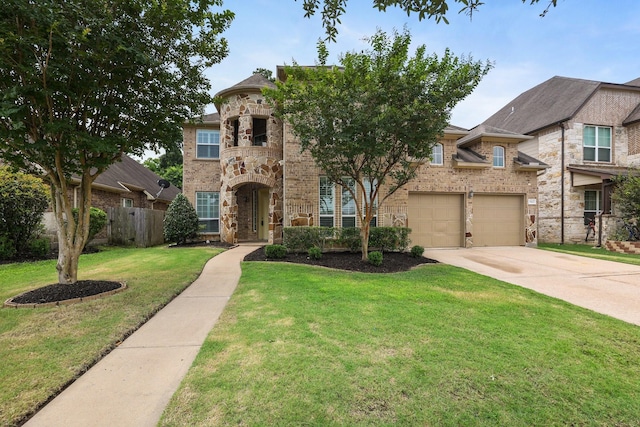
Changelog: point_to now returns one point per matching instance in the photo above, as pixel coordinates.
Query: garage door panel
(436, 219)
(498, 220)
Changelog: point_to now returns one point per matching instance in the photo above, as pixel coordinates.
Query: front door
(263, 214)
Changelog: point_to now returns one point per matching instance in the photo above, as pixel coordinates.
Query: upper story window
(437, 156)
(596, 144)
(259, 131)
(236, 130)
(207, 144)
(498, 156)
(327, 202)
(127, 203)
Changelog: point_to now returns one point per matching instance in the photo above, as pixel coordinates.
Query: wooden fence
(135, 226)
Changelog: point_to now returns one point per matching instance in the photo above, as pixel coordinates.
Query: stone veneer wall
(606, 108)
(246, 164)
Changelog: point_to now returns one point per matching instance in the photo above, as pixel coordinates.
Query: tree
(168, 166)
(626, 195)
(376, 117)
(83, 82)
(332, 10)
(181, 221)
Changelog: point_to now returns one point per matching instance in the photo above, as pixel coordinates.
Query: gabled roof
(551, 102)
(554, 101)
(129, 175)
(484, 131)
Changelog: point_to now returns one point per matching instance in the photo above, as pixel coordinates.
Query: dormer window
(596, 144)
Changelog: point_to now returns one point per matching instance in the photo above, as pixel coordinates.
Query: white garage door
(436, 220)
(498, 220)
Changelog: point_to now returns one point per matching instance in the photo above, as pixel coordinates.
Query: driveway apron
(605, 287)
(132, 385)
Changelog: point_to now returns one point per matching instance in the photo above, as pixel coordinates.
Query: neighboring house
(246, 177)
(587, 132)
(126, 183)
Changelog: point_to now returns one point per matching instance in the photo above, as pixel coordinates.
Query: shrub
(375, 258)
(7, 248)
(301, 239)
(181, 221)
(417, 251)
(350, 238)
(39, 247)
(275, 251)
(97, 221)
(23, 200)
(315, 253)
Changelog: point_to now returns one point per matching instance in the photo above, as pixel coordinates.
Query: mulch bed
(59, 293)
(392, 262)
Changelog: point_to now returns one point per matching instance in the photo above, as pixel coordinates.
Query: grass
(43, 349)
(438, 345)
(592, 252)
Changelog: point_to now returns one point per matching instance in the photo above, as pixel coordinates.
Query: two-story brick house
(587, 132)
(246, 176)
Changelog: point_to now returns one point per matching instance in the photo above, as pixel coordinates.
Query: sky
(588, 39)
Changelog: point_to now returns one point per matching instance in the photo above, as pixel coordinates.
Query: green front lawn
(439, 345)
(43, 349)
(592, 252)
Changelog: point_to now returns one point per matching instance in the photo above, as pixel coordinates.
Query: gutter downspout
(562, 160)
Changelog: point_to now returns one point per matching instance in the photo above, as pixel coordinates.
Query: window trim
(498, 156)
(434, 158)
(214, 219)
(127, 202)
(332, 205)
(344, 191)
(207, 144)
(596, 147)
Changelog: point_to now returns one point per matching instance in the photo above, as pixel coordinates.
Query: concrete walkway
(606, 287)
(132, 385)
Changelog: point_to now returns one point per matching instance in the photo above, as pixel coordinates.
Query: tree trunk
(72, 235)
(364, 236)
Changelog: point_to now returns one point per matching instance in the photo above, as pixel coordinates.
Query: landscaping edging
(623, 247)
(10, 304)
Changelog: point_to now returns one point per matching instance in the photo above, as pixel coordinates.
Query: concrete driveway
(603, 286)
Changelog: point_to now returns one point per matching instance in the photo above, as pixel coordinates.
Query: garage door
(498, 220)
(436, 220)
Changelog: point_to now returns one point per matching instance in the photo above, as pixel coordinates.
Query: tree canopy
(332, 10)
(374, 118)
(84, 81)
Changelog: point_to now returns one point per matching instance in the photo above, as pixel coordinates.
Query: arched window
(437, 155)
(498, 156)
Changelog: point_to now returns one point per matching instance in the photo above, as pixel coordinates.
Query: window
(208, 209)
(127, 203)
(236, 128)
(348, 203)
(591, 205)
(207, 144)
(596, 143)
(368, 189)
(327, 201)
(437, 155)
(259, 131)
(498, 156)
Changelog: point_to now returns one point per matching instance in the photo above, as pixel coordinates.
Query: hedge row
(385, 239)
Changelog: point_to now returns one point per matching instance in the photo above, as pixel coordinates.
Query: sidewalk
(132, 385)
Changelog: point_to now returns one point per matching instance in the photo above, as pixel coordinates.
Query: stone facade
(269, 185)
(606, 108)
